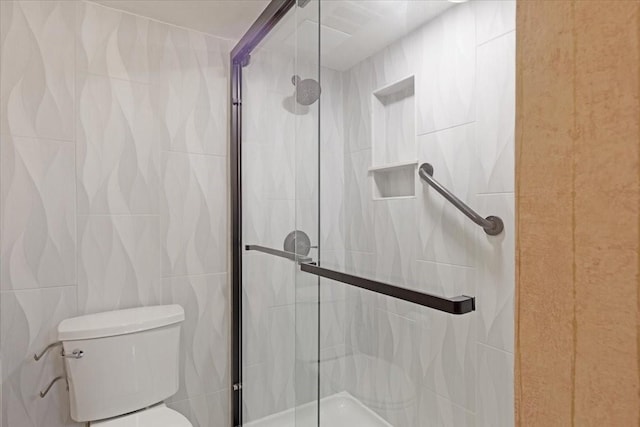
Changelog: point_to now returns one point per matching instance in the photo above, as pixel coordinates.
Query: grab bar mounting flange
(492, 225)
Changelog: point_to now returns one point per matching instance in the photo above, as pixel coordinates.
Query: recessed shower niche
(394, 139)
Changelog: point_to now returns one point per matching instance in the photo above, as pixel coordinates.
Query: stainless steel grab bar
(492, 225)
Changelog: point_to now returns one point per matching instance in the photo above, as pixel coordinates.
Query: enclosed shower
(372, 175)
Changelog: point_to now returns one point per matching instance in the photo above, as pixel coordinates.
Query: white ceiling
(228, 19)
(351, 30)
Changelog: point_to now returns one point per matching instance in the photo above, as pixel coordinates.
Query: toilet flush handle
(75, 354)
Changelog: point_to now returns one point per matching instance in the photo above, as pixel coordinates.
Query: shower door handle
(455, 305)
(282, 254)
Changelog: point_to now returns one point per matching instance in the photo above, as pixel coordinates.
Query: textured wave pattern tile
(193, 219)
(332, 163)
(28, 322)
(118, 262)
(112, 43)
(359, 82)
(495, 400)
(445, 234)
(38, 213)
(412, 365)
(82, 88)
(494, 18)
(495, 127)
(358, 204)
(447, 89)
(118, 154)
(205, 299)
(188, 72)
(37, 69)
(495, 274)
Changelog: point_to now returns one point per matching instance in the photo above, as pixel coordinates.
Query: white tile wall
(28, 322)
(446, 86)
(495, 399)
(495, 125)
(444, 234)
(495, 271)
(139, 113)
(205, 365)
(111, 43)
(113, 136)
(193, 219)
(118, 262)
(37, 81)
(458, 369)
(37, 213)
(117, 165)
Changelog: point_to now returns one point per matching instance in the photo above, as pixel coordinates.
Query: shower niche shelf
(393, 122)
(394, 140)
(394, 180)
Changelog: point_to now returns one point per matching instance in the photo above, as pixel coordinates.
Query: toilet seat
(157, 416)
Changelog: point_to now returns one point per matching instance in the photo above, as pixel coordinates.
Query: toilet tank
(129, 360)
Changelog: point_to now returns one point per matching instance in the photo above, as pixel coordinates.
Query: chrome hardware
(297, 242)
(237, 387)
(39, 356)
(75, 354)
(492, 225)
(44, 392)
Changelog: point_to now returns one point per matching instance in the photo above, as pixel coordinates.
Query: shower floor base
(338, 410)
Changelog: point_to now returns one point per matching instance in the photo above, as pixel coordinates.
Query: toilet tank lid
(119, 322)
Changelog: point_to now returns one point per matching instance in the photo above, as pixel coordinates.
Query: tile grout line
(494, 38)
(490, 347)
(39, 288)
(186, 276)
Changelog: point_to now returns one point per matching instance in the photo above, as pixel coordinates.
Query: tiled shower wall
(412, 365)
(114, 193)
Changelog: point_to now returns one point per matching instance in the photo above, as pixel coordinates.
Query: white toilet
(121, 365)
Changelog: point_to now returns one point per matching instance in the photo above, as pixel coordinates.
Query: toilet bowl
(121, 366)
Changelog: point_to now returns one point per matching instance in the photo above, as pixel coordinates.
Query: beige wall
(577, 338)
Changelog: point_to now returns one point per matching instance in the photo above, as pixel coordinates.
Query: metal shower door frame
(240, 55)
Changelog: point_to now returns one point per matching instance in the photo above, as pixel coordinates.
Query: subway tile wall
(113, 145)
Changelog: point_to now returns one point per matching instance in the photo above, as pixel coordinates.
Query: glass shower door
(280, 212)
(361, 164)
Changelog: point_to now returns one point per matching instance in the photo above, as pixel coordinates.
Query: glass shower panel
(406, 83)
(359, 300)
(307, 102)
(280, 127)
(269, 214)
